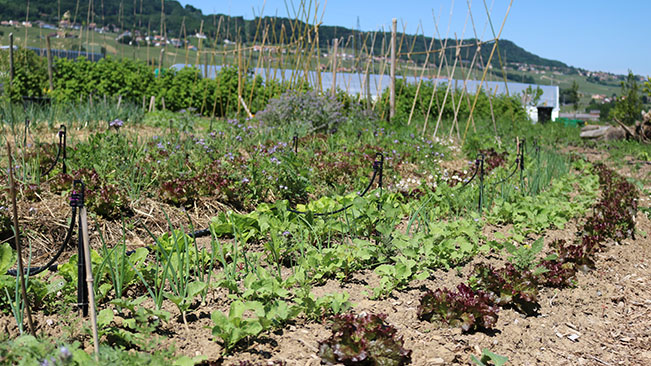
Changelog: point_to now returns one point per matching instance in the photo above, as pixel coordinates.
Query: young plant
(364, 339)
(489, 358)
(557, 274)
(508, 286)
(395, 276)
(248, 319)
(121, 267)
(523, 257)
(467, 308)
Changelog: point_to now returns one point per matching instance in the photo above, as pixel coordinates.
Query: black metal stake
(295, 143)
(522, 147)
(378, 166)
(77, 200)
(62, 145)
(480, 162)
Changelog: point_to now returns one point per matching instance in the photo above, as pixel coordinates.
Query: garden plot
(266, 282)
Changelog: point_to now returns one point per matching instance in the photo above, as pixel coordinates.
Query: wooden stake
(49, 62)
(160, 62)
(19, 248)
(89, 279)
(11, 59)
(392, 84)
(246, 108)
(334, 67)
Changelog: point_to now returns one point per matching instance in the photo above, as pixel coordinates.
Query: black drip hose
(51, 265)
(474, 174)
(61, 147)
(378, 167)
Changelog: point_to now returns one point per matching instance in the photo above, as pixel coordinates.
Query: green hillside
(180, 21)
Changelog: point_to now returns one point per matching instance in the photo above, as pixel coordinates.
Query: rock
(593, 131)
(436, 361)
(607, 133)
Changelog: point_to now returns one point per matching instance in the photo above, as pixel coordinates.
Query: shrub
(30, 74)
(304, 111)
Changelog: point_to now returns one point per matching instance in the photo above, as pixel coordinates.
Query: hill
(182, 21)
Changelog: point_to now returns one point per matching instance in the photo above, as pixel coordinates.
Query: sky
(597, 35)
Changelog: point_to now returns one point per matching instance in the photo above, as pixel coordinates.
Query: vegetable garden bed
(533, 259)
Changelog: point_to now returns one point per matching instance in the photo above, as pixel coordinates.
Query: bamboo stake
(49, 61)
(11, 59)
(449, 83)
(485, 70)
(89, 279)
(420, 80)
(333, 92)
(392, 83)
(19, 248)
(481, 62)
(438, 74)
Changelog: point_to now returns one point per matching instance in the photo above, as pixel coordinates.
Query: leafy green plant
(524, 256)
(489, 358)
(467, 308)
(508, 286)
(317, 308)
(364, 339)
(248, 319)
(121, 267)
(397, 276)
(134, 324)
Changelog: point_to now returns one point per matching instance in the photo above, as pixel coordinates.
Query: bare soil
(604, 320)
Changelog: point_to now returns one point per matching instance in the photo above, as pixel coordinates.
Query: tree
(629, 106)
(569, 95)
(532, 96)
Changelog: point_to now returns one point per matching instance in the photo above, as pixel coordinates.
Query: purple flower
(160, 146)
(116, 123)
(65, 353)
(245, 180)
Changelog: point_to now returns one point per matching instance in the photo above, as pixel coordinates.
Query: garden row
(314, 249)
(475, 306)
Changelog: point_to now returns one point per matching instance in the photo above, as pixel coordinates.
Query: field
(257, 241)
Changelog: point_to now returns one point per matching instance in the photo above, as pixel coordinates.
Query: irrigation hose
(62, 146)
(515, 165)
(479, 160)
(378, 167)
(51, 265)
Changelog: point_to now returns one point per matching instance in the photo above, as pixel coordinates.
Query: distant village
(65, 28)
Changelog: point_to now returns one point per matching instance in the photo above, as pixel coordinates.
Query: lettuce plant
(508, 286)
(579, 254)
(363, 339)
(470, 309)
(557, 274)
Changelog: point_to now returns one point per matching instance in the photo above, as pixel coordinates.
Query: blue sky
(598, 35)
